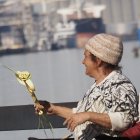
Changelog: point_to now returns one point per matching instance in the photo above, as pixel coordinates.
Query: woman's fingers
(71, 123)
(38, 108)
(76, 119)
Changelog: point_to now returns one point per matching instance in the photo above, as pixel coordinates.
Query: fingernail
(64, 123)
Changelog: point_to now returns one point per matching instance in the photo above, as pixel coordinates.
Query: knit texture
(106, 47)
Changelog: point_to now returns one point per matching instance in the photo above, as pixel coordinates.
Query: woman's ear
(99, 62)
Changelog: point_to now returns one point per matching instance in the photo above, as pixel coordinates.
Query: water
(58, 76)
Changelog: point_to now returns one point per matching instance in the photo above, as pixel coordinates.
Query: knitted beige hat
(106, 47)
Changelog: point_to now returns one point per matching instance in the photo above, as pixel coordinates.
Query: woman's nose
(83, 61)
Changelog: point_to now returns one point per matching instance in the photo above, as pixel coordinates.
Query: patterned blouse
(117, 97)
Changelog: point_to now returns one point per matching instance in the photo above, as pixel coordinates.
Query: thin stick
(9, 68)
(34, 98)
(66, 137)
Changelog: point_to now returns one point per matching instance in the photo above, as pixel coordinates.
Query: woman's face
(90, 65)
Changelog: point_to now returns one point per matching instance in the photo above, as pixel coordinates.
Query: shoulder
(120, 81)
(118, 84)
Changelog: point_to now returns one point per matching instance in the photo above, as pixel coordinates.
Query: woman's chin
(87, 73)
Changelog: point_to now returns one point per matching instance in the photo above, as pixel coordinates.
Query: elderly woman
(110, 105)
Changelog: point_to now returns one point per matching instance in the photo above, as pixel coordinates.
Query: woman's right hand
(45, 106)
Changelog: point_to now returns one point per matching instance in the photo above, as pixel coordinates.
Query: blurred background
(46, 37)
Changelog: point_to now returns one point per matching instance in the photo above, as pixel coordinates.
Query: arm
(125, 111)
(122, 114)
(50, 108)
(63, 112)
(100, 119)
(79, 118)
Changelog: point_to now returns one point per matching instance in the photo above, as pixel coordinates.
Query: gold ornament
(24, 78)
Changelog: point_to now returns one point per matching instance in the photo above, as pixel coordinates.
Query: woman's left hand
(76, 119)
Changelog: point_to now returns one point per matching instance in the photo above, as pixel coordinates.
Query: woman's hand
(45, 106)
(76, 119)
(53, 109)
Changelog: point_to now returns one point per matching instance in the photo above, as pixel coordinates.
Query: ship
(79, 22)
(22, 29)
(59, 76)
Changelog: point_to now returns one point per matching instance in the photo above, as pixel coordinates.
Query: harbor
(47, 38)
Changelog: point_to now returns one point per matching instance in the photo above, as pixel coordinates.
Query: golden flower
(24, 78)
(23, 75)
